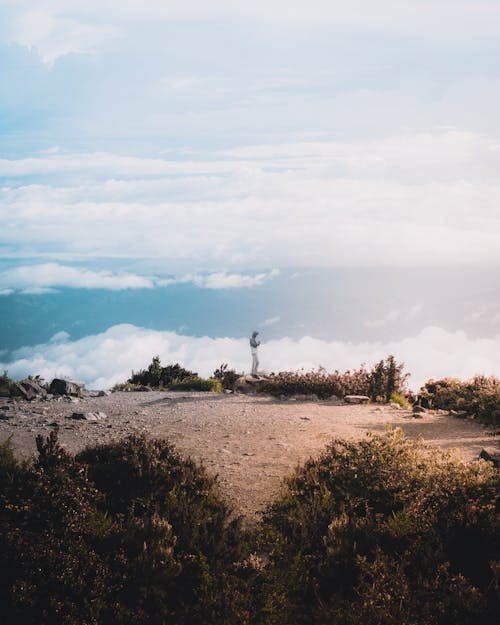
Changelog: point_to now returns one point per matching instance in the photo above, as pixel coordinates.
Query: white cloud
(270, 322)
(42, 278)
(395, 315)
(102, 360)
(413, 200)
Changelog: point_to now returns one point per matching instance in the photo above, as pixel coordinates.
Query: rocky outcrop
(66, 387)
(250, 384)
(29, 389)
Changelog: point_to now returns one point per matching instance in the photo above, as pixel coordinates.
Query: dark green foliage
(377, 532)
(151, 542)
(479, 397)
(379, 383)
(227, 377)
(172, 377)
(157, 376)
(6, 384)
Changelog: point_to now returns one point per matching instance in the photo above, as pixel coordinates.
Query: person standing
(254, 344)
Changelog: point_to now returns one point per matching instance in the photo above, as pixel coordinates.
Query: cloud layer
(425, 200)
(45, 277)
(104, 359)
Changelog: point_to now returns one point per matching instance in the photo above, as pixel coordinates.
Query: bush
(196, 383)
(479, 397)
(6, 384)
(377, 531)
(380, 383)
(227, 377)
(150, 542)
(157, 376)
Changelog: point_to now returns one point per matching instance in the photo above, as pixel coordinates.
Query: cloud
(395, 315)
(269, 322)
(104, 359)
(406, 201)
(41, 278)
(45, 277)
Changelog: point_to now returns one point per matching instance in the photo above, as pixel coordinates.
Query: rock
(356, 399)
(66, 387)
(88, 416)
(305, 397)
(249, 384)
(103, 393)
(4, 416)
(458, 414)
(393, 404)
(29, 389)
(491, 454)
(418, 410)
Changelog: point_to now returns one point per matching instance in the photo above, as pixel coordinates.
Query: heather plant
(380, 383)
(152, 542)
(478, 397)
(377, 531)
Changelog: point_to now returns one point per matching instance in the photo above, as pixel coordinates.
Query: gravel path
(250, 442)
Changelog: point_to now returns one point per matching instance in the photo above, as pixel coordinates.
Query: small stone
(356, 399)
(88, 416)
(418, 410)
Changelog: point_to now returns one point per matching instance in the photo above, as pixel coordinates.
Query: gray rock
(88, 416)
(4, 416)
(418, 410)
(356, 399)
(491, 454)
(249, 384)
(29, 389)
(66, 387)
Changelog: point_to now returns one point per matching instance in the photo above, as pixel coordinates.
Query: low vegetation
(378, 383)
(478, 398)
(123, 534)
(377, 532)
(173, 377)
(373, 532)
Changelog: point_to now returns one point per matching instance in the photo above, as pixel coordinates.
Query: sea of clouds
(102, 360)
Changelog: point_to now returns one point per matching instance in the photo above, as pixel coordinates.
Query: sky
(327, 172)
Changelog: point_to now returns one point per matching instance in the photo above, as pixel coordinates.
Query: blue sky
(223, 146)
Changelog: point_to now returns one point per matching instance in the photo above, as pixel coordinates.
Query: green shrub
(157, 376)
(6, 384)
(377, 531)
(227, 377)
(400, 400)
(478, 397)
(196, 383)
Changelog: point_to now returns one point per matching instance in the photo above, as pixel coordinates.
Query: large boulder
(249, 384)
(29, 389)
(66, 387)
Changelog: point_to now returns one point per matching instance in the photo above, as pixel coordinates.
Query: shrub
(479, 397)
(380, 383)
(157, 376)
(196, 383)
(6, 384)
(377, 531)
(227, 377)
(151, 542)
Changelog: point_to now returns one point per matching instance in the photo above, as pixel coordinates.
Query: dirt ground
(250, 442)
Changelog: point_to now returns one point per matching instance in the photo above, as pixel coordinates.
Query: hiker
(254, 344)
